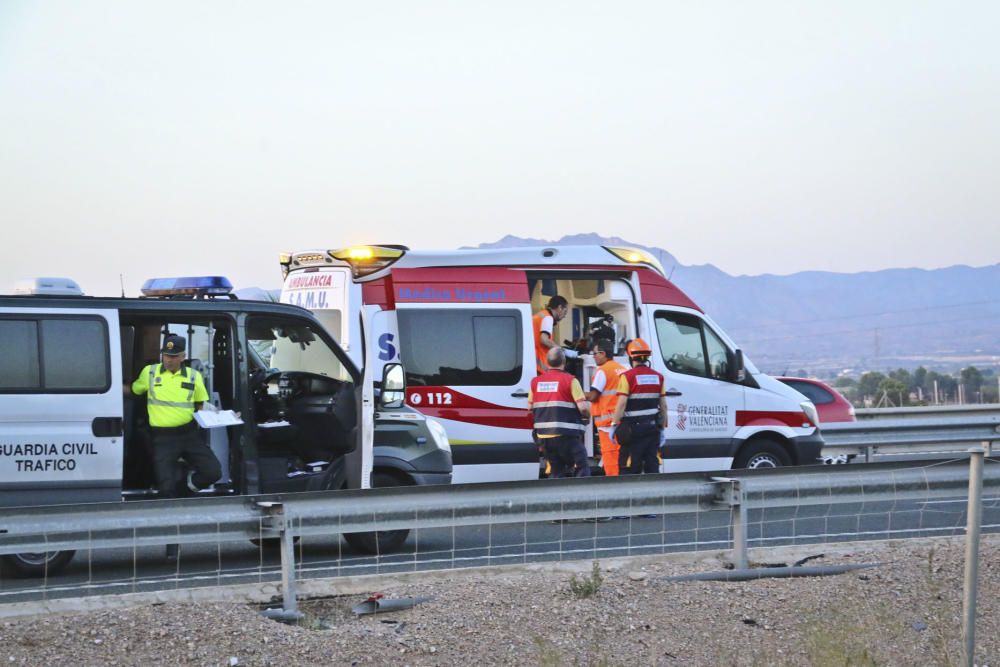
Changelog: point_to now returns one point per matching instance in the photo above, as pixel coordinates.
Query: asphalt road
(146, 569)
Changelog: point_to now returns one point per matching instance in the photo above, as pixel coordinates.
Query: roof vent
(48, 287)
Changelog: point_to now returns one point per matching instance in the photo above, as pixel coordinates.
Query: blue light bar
(187, 285)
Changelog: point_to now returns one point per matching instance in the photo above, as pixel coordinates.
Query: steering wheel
(673, 362)
(260, 378)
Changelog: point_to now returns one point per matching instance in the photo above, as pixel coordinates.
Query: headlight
(438, 434)
(811, 413)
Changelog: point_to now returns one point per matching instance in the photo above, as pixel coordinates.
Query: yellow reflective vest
(172, 396)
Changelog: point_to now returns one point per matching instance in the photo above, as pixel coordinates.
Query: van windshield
(294, 345)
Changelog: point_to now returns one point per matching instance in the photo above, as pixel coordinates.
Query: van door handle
(106, 427)
(520, 394)
(673, 392)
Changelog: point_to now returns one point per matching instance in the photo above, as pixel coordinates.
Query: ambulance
(292, 411)
(461, 324)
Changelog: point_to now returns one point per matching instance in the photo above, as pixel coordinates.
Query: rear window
(817, 395)
(54, 355)
(461, 347)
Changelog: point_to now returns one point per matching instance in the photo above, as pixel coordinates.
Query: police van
(302, 414)
(461, 323)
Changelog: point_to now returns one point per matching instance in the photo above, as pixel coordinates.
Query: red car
(830, 404)
(832, 407)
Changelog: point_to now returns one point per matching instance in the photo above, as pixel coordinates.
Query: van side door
(61, 406)
(703, 397)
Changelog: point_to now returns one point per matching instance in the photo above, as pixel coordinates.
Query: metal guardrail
(928, 411)
(911, 436)
(209, 520)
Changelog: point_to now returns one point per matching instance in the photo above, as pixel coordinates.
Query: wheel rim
(763, 461)
(37, 558)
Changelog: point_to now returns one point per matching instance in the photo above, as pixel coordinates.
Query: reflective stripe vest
(169, 404)
(604, 409)
(553, 406)
(645, 386)
(541, 352)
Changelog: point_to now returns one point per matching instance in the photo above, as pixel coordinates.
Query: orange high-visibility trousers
(609, 454)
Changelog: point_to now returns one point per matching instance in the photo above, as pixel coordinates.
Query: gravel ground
(905, 612)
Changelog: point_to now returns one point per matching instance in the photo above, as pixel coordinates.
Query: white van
(308, 415)
(461, 323)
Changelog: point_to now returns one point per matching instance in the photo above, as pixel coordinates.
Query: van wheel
(270, 543)
(37, 564)
(382, 541)
(762, 454)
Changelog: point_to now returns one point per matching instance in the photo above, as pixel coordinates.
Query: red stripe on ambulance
(446, 403)
(771, 418)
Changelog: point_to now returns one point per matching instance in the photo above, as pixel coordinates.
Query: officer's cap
(173, 345)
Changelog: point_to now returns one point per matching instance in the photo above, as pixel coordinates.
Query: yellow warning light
(368, 259)
(637, 256)
(360, 253)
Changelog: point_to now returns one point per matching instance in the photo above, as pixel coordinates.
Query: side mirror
(393, 391)
(739, 370)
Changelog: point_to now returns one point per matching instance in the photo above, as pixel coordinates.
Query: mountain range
(824, 323)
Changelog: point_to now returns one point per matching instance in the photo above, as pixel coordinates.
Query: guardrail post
(279, 522)
(732, 494)
(969, 589)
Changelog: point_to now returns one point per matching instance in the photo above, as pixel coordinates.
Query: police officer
(641, 409)
(543, 324)
(560, 411)
(603, 395)
(175, 392)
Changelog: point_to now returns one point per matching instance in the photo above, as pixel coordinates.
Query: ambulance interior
(598, 307)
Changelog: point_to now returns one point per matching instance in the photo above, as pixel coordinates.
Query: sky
(161, 139)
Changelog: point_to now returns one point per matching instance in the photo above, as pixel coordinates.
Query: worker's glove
(571, 354)
(663, 437)
(611, 433)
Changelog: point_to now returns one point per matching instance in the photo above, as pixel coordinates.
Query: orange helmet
(638, 348)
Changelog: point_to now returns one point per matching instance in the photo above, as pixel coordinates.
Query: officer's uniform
(542, 322)
(171, 404)
(553, 399)
(605, 382)
(642, 388)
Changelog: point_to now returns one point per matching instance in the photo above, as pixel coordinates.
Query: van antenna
(670, 277)
(121, 279)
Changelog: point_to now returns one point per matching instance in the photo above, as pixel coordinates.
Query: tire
(270, 543)
(38, 564)
(762, 454)
(382, 541)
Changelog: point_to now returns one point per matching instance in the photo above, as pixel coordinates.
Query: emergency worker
(175, 392)
(543, 324)
(603, 396)
(641, 411)
(560, 411)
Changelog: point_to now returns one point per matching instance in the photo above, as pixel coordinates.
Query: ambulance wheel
(762, 454)
(37, 564)
(382, 541)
